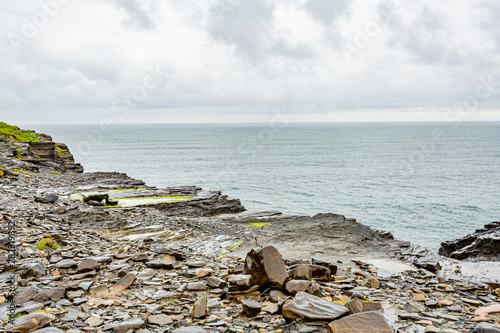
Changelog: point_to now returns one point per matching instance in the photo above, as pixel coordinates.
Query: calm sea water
(425, 183)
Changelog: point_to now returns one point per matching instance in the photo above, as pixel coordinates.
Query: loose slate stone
(57, 293)
(88, 265)
(142, 257)
(296, 286)
(240, 280)
(146, 274)
(414, 307)
(486, 328)
(66, 263)
(200, 308)
(251, 307)
(311, 308)
(33, 270)
(197, 286)
(355, 306)
(124, 283)
(47, 198)
(49, 330)
(366, 322)
(163, 294)
(266, 266)
(192, 329)
(215, 282)
(31, 322)
(161, 320)
(132, 324)
(160, 264)
(195, 264)
(27, 294)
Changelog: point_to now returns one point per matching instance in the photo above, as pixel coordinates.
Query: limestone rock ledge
(28, 150)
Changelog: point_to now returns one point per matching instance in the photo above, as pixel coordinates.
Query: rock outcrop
(36, 150)
(483, 244)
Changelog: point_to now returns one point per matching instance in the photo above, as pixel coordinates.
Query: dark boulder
(46, 198)
(483, 244)
(267, 268)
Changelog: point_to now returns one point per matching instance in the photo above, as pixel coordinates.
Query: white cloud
(236, 60)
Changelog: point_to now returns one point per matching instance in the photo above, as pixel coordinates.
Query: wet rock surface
(483, 244)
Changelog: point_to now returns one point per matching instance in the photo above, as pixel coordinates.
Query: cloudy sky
(147, 61)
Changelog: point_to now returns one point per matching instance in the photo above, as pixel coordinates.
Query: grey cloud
(138, 13)
(327, 11)
(427, 37)
(248, 25)
(487, 16)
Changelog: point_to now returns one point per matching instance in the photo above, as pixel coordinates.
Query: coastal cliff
(28, 150)
(103, 252)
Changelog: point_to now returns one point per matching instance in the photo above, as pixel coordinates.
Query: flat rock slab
(49, 330)
(486, 328)
(366, 322)
(191, 329)
(161, 320)
(160, 264)
(88, 265)
(132, 324)
(31, 322)
(312, 308)
(124, 283)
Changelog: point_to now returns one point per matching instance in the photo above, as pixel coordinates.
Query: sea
(424, 182)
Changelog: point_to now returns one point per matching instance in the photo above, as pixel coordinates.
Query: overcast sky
(147, 61)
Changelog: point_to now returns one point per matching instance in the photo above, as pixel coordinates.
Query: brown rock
(295, 286)
(251, 307)
(301, 272)
(124, 283)
(31, 322)
(240, 280)
(266, 266)
(132, 324)
(200, 308)
(372, 282)
(494, 308)
(419, 298)
(277, 295)
(57, 293)
(161, 320)
(202, 272)
(99, 291)
(366, 322)
(372, 306)
(88, 265)
(311, 308)
(355, 306)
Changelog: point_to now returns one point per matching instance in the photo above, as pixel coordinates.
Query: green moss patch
(258, 225)
(14, 133)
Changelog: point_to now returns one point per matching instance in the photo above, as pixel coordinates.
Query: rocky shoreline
(102, 252)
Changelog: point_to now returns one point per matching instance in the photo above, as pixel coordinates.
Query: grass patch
(55, 172)
(60, 151)
(258, 225)
(14, 133)
(42, 244)
(231, 248)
